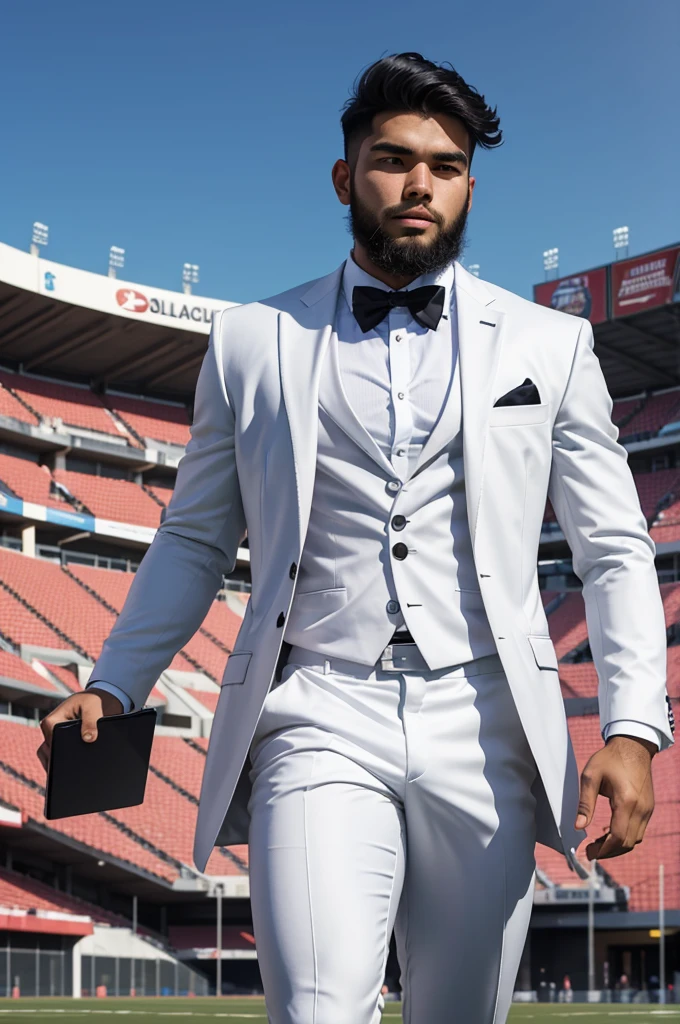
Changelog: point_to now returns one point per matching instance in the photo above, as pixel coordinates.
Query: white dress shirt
(397, 375)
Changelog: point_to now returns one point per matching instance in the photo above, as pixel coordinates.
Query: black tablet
(103, 775)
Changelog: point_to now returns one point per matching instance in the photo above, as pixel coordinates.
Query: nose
(418, 184)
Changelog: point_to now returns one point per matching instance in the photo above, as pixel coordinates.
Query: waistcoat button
(398, 522)
(400, 551)
(392, 607)
(393, 486)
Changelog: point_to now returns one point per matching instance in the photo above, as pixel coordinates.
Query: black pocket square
(523, 394)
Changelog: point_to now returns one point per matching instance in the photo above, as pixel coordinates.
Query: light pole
(134, 941)
(662, 937)
(40, 237)
(218, 979)
(551, 261)
(621, 237)
(189, 277)
(116, 260)
(591, 929)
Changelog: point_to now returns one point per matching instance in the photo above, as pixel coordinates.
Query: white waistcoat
(353, 590)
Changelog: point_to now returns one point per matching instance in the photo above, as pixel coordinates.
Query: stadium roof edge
(74, 325)
(634, 307)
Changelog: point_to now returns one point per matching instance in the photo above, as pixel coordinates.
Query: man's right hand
(89, 706)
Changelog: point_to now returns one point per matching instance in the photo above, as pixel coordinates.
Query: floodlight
(621, 237)
(551, 259)
(189, 276)
(116, 259)
(39, 237)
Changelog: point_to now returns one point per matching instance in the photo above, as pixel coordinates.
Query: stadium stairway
(51, 401)
(158, 421)
(111, 588)
(12, 667)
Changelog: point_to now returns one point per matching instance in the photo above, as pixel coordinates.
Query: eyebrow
(455, 156)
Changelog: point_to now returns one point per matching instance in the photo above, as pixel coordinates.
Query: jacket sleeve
(597, 506)
(195, 545)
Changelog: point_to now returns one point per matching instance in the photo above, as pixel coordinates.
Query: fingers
(43, 755)
(86, 706)
(643, 827)
(591, 780)
(90, 713)
(630, 815)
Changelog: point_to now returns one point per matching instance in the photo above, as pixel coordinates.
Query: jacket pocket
(237, 667)
(326, 601)
(544, 651)
(518, 415)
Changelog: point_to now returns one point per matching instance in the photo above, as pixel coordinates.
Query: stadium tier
(57, 912)
(151, 421)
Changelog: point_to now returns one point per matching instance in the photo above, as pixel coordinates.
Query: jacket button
(392, 607)
(400, 551)
(398, 522)
(292, 572)
(281, 619)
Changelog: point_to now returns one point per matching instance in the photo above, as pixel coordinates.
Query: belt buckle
(386, 659)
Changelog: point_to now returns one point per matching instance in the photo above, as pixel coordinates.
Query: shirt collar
(353, 275)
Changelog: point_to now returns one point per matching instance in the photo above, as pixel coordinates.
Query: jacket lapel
(304, 333)
(480, 337)
(333, 398)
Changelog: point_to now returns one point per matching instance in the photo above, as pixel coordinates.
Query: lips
(417, 215)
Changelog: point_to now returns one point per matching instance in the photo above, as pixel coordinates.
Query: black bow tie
(371, 305)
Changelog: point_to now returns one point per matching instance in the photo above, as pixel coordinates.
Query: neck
(362, 259)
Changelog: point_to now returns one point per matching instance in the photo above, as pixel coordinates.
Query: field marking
(136, 1013)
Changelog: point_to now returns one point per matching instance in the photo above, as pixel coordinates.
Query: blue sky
(205, 132)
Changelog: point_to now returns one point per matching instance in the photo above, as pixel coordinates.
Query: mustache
(403, 211)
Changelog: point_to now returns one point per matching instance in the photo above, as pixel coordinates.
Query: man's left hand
(621, 771)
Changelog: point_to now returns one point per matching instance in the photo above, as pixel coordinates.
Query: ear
(472, 189)
(341, 176)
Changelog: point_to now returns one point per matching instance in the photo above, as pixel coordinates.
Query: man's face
(409, 192)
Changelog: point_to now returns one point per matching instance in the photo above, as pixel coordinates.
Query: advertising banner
(8, 503)
(108, 294)
(646, 282)
(581, 295)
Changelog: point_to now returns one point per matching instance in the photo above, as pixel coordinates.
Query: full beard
(405, 257)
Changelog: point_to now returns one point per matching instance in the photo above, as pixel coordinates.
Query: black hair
(407, 82)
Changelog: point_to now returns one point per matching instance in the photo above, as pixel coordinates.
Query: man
(390, 730)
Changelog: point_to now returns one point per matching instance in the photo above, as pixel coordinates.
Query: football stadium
(96, 385)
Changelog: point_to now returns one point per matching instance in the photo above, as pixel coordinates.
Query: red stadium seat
(74, 406)
(157, 421)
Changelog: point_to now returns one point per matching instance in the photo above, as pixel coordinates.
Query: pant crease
(501, 958)
(388, 935)
(309, 896)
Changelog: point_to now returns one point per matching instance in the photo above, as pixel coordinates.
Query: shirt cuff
(641, 731)
(115, 690)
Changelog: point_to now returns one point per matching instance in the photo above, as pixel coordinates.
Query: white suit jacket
(250, 464)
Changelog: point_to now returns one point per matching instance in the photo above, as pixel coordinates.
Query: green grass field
(240, 1011)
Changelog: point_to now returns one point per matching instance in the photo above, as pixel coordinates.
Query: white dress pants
(390, 800)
